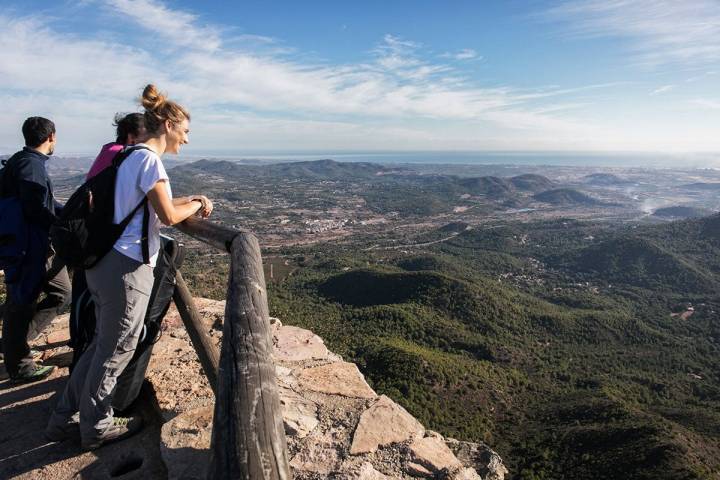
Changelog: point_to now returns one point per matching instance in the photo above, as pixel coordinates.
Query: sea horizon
(663, 160)
(531, 158)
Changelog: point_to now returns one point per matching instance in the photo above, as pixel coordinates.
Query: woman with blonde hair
(121, 282)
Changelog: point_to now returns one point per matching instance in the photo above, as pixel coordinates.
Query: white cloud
(663, 89)
(66, 64)
(663, 32)
(464, 54)
(176, 26)
(245, 89)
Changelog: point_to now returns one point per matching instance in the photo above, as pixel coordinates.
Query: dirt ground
(24, 412)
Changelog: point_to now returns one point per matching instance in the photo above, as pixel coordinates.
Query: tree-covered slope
(552, 341)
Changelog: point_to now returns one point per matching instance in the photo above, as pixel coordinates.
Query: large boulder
(384, 423)
(336, 425)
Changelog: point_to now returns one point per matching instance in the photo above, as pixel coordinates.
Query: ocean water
(619, 159)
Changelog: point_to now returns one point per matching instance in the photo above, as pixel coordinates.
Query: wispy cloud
(399, 83)
(464, 54)
(66, 64)
(661, 90)
(662, 32)
(401, 96)
(179, 27)
(701, 76)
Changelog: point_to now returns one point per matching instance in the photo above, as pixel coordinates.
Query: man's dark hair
(130, 124)
(36, 130)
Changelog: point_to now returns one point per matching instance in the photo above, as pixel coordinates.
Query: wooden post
(248, 438)
(201, 341)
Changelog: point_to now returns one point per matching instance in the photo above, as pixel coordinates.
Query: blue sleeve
(30, 171)
(32, 196)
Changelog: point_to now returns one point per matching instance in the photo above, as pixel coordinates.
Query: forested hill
(578, 350)
(679, 212)
(566, 196)
(316, 170)
(331, 169)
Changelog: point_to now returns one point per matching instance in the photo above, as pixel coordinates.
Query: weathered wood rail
(248, 437)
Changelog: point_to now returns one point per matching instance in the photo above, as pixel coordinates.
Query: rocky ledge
(337, 426)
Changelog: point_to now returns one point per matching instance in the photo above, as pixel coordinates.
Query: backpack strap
(117, 161)
(145, 233)
(125, 152)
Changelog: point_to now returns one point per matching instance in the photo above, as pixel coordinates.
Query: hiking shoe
(39, 372)
(120, 429)
(62, 431)
(35, 354)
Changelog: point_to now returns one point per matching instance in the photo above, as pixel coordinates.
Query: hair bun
(158, 109)
(152, 100)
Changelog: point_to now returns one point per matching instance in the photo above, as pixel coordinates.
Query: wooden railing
(248, 437)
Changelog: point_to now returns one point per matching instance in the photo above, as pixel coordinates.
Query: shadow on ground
(24, 412)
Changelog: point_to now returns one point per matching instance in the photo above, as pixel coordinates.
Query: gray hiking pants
(120, 287)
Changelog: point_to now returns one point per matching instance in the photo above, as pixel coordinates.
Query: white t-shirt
(137, 175)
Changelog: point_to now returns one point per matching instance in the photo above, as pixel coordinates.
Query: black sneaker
(62, 431)
(120, 429)
(37, 373)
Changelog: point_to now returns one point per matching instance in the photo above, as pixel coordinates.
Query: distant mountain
(218, 167)
(444, 187)
(566, 196)
(327, 169)
(532, 182)
(316, 169)
(681, 212)
(492, 187)
(498, 188)
(604, 180)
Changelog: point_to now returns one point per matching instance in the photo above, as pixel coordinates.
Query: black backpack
(85, 231)
(82, 320)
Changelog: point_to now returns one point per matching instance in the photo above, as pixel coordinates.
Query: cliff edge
(337, 427)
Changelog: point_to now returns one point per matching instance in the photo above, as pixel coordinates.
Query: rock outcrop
(337, 427)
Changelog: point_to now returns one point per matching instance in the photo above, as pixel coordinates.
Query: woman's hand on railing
(207, 205)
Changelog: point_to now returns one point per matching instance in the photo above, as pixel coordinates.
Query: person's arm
(167, 211)
(32, 192)
(32, 198)
(207, 205)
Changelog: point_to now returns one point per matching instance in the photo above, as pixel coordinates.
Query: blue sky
(576, 75)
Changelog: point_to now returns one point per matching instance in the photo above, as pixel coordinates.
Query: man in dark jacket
(41, 271)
